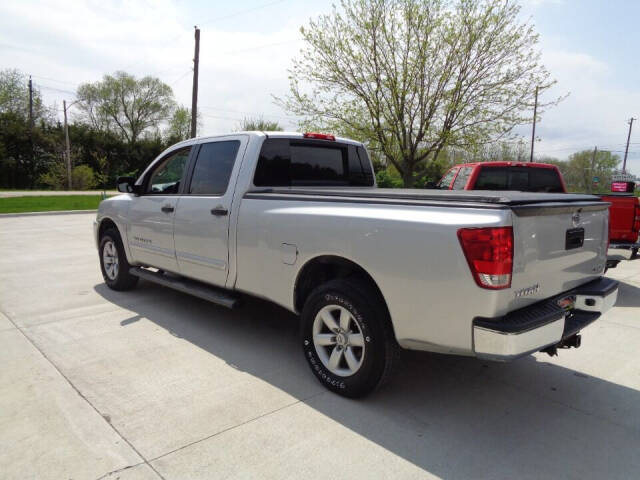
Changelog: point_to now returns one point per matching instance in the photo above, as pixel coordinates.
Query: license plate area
(574, 238)
(567, 303)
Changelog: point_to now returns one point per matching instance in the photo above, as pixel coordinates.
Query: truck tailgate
(557, 246)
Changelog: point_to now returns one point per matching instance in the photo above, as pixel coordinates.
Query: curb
(55, 212)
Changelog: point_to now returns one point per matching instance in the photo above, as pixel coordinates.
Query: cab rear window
(524, 179)
(292, 162)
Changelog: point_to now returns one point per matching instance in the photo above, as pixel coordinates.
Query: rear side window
(213, 167)
(290, 162)
(524, 179)
(461, 179)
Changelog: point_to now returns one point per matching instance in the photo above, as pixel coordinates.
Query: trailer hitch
(574, 341)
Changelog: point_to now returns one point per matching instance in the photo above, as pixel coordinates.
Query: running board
(185, 285)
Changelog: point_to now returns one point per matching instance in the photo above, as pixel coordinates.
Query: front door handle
(167, 209)
(219, 211)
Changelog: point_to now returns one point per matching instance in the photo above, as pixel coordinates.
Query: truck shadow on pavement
(450, 416)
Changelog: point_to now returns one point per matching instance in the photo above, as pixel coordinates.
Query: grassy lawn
(49, 204)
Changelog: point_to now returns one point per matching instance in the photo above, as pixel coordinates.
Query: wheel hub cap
(338, 340)
(110, 260)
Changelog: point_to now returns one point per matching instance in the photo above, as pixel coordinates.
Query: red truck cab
(521, 176)
(624, 213)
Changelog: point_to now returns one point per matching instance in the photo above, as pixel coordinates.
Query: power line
(282, 117)
(269, 4)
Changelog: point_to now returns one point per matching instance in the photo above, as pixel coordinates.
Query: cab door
(201, 226)
(151, 214)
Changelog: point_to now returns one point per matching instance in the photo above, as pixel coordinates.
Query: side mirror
(127, 185)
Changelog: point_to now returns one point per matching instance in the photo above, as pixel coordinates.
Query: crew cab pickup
(297, 219)
(624, 212)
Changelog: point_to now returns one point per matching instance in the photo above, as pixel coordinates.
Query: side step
(192, 287)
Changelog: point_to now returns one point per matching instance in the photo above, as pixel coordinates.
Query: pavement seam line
(246, 422)
(108, 474)
(30, 340)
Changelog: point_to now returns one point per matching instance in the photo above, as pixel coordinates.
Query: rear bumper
(542, 324)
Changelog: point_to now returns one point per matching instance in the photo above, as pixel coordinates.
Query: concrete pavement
(156, 384)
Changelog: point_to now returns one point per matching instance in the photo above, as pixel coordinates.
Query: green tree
(580, 169)
(14, 96)
(126, 105)
(179, 127)
(414, 76)
(258, 124)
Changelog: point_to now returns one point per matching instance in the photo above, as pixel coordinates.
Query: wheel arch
(107, 222)
(324, 268)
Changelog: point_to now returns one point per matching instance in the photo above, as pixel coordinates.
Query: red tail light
(636, 220)
(319, 136)
(489, 252)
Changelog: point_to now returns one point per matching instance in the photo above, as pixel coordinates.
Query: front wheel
(113, 262)
(347, 337)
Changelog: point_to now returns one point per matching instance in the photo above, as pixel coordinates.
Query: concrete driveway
(156, 384)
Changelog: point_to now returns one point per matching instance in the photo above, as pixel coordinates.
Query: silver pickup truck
(297, 219)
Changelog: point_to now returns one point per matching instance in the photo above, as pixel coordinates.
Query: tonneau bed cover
(497, 199)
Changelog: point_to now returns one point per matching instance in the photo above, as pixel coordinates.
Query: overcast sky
(589, 46)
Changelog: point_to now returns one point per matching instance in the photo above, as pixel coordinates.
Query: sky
(589, 46)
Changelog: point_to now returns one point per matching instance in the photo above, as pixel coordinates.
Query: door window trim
(149, 173)
(194, 161)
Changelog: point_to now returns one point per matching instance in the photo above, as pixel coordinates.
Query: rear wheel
(634, 253)
(113, 262)
(347, 337)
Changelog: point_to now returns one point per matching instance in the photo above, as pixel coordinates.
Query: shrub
(83, 178)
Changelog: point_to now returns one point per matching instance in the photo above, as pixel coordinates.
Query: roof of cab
(268, 134)
(508, 164)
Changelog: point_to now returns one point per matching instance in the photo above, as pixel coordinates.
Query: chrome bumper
(543, 324)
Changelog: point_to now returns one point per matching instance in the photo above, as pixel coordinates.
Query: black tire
(634, 253)
(380, 351)
(122, 280)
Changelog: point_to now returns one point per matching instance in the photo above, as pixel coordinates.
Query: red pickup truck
(624, 213)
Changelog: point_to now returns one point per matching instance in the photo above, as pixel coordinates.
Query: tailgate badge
(523, 292)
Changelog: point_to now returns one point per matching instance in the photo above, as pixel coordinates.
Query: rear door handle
(167, 209)
(219, 211)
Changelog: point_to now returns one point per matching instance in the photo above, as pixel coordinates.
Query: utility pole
(592, 173)
(626, 150)
(194, 94)
(533, 133)
(68, 147)
(30, 104)
(31, 118)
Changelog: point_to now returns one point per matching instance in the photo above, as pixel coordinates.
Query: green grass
(49, 203)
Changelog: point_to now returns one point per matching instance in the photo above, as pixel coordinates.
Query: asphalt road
(156, 384)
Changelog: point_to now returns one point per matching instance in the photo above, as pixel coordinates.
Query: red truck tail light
(319, 136)
(489, 252)
(636, 220)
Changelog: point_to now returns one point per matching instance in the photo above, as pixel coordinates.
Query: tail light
(636, 220)
(489, 252)
(319, 136)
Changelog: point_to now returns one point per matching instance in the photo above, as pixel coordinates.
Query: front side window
(445, 183)
(213, 168)
(166, 177)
